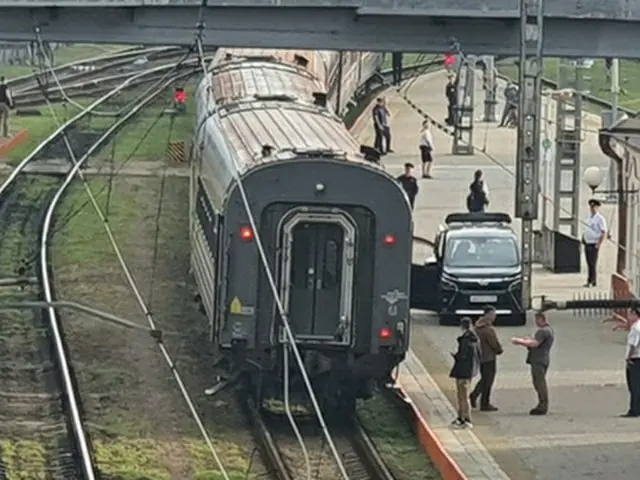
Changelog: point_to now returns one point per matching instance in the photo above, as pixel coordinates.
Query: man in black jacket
(409, 183)
(464, 369)
(451, 94)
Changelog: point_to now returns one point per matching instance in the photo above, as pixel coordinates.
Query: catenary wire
(147, 313)
(272, 284)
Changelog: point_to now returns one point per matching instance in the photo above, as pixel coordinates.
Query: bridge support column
(463, 125)
(527, 162)
(566, 191)
(490, 86)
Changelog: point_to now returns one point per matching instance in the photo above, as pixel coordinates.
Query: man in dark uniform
(409, 183)
(538, 358)
(451, 93)
(6, 104)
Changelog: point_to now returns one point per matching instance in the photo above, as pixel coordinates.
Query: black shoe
(473, 401)
(391, 151)
(629, 415)
(488, 408)
(537, 411)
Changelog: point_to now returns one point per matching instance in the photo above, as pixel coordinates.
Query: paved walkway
(582, 436)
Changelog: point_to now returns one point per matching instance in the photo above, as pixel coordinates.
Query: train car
(335, 231)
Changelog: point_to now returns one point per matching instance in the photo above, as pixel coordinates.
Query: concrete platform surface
(582, 437)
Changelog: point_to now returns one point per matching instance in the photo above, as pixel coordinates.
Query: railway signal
(180, 100)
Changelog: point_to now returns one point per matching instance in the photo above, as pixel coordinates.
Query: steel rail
(366, 450)
(106, 57)
(88, 111)
(46, 278)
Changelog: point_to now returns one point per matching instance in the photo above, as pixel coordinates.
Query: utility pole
(490, 101)
(613, 117)
(528, 154)
(463, 122)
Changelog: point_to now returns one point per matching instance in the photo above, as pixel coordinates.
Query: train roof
(288, 129)
(239, 79)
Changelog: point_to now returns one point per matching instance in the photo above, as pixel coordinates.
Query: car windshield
(481, 252)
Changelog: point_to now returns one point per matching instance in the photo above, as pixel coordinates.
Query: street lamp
(593, 177)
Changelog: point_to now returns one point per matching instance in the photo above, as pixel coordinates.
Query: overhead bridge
(594, 28)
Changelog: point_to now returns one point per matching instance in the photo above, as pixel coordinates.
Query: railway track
(284, 457)
(40, 408)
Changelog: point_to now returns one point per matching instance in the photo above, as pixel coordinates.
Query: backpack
(477, 198)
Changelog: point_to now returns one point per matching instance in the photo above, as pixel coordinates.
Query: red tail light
(389, 239)
(385, 333)
(180, 96)
(246, 234)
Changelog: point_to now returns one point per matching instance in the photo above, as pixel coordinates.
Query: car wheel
(448, 319)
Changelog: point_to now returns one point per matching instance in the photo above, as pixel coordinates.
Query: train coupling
(585, 304)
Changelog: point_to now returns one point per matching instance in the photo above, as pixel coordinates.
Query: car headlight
(446, 284)
(517, 283)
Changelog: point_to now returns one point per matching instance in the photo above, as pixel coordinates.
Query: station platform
(582, 436)
(8, 144)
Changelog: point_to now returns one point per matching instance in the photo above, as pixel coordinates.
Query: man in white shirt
(594, 234)
(632, 359)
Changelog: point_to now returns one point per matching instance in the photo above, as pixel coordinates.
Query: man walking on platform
(592, 239)
(6, 104)
(490, 348)
(538, 358)
(632, 359)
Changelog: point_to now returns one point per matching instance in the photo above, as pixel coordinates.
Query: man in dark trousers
(451, 94)
(632, 359)
(490, 347)
(409, 183)
(510, 104)
(594, 235)
(464, 367)
(6, 104)
(381, 126)
(396, 66)
(538, 357)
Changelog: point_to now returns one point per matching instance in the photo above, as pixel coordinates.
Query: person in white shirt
(426, 149)
(592, 239)
(632, 359)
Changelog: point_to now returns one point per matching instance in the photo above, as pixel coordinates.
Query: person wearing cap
(632, 359)
(409, 183)
(465, 366)
(592, 238)
(538, 358)
(490, 348)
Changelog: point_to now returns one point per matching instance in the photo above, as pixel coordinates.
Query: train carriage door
(317, 284)
(425, 275)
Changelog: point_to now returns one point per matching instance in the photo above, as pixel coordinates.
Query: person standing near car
(490, 348)
(538, 358)
(478, 197)
(464, 369)
(426, 149)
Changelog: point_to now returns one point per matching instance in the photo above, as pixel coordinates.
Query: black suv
(476, 262)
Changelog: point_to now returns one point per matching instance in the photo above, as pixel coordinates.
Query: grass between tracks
(597, 82)
(139, 424)
(124, 143)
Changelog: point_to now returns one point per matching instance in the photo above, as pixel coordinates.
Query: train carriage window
(331, 270)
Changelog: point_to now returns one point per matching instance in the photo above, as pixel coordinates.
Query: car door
(425, 278)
